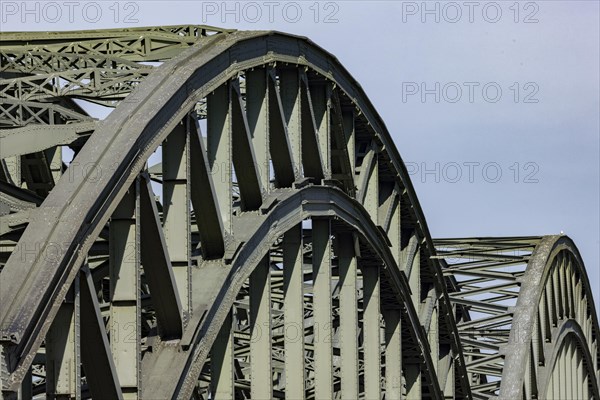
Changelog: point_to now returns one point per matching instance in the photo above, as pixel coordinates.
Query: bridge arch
(322, 130)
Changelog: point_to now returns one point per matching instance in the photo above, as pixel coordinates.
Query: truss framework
(277, 249)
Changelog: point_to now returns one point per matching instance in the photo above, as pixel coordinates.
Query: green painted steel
(274, 248)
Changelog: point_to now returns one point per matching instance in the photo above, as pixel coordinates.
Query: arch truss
(236, 222)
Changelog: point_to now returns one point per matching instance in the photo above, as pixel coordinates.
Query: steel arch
(558, 264)
(531, 292)
(290, 136)
(291, 210)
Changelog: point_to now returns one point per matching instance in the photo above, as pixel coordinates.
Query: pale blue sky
(552, 143)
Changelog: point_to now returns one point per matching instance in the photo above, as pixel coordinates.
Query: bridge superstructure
(241, 225)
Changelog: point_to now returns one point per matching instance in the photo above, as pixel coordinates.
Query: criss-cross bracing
(530, 328)
(241, 225)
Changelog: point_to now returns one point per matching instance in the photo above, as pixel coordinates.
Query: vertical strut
(412, 259)
(348, 142)
(564, 381)
(348, 316)
(393, 354)
(371, 331)
(580, 372)
(572, 369)
(312, 149)
(219, 150)
(54, 156)
(279, 140)
(413, 381)
(348, 123)
(63, 349)
(369, 194)
(176, 208)
(394, 228)
(414, 278)
(222, 376)
(260, 342)
(96, 357)
(433, 336)
(293, 311)
(124, 268)
(449, 364)
(26, 390)
(323, 353)
(368, 185)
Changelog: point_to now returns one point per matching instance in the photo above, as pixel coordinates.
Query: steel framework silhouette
(273, 248)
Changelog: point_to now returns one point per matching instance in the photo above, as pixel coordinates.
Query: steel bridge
(241, 225)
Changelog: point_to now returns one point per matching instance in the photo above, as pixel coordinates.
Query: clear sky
(494, 106)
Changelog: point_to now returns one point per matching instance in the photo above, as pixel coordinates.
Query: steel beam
(280, 143)
(219, 150)
(322, 326)
(176, 208)
(259, 115)
(222, 373)
(124, 292)
(26, 390)
(412, 373)
(157, 266)
(393, 354)
(32, 138)
(293, 311)
(247, 170)
(260, 337)
(320, 100)
(289, 91)
(63, 354)
(96, 356)
(315, 138)
(204, 197)
(349, 322)
(371, 331)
